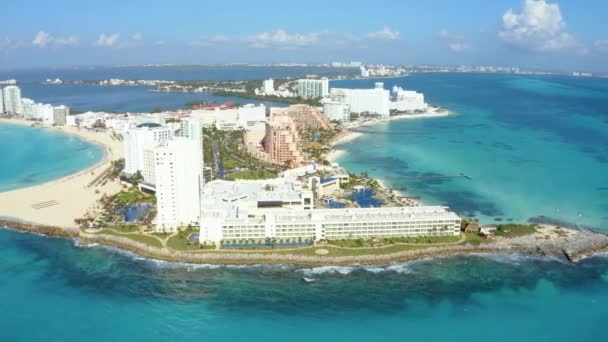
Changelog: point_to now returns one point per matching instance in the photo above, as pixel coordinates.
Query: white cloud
(281, 39)
(455, 41)
(9, 45)
(44, 39)
(601, 45)
(108, 40)
(447, 35)
(539, 27)
(457, 47)
(385, 34)
(138, 36)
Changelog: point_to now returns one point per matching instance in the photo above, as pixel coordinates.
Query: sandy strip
(61, 201)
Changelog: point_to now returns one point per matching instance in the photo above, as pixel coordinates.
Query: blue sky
(548, 34)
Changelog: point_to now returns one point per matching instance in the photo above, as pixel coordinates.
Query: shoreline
(60, 201)
(576, 246)
(336, 153)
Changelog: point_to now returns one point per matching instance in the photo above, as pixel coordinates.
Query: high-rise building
(140, 138)
(336, 111)
(305, 116)
(60, 113)
(192, 128)
(309, 88)
(12, 99)
(268, 86)
(1, 102)
(283, 141)
(178, 184)
(371, 101)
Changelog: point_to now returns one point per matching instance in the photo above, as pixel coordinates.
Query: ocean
(531, 145)
(32, 156)
(535, 148)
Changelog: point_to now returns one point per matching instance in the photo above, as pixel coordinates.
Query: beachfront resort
(287, 190)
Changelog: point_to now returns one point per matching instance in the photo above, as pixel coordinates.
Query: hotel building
(336, 111)
(178, 172)
(407, 100)
(305, 116)
(309, 88)
(281, 209)
(138, 139)
(372, 101)
(12, 99)
(282, 142)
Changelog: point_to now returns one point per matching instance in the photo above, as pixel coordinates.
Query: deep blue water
(531, 145)
(96, 294)
(141, 99)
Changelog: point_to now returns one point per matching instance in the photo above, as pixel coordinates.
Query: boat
(308, 280)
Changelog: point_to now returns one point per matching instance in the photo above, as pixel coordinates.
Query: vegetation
(145, 239)
(473, 239)
(133, 196)
(180, 240)
(272, 98)
(514, 230)
(251, 174)
(357, 243)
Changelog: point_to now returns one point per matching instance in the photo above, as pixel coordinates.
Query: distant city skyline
(538, 34)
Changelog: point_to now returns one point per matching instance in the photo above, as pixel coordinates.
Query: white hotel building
(178, 172)
(138, 139)
(310, 88)
(281, 209)
(372, 101)
(12, 99)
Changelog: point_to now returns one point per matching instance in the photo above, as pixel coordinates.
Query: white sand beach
(59, 202)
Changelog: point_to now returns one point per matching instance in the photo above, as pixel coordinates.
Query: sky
(540, 34)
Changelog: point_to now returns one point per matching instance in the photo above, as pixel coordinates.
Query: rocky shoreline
(575, 247)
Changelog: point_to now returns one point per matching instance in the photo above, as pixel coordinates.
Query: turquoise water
(32, 156)
(535, 147)
(54, 291)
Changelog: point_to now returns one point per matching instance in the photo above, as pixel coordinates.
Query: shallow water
(540, 150)
(533, 146)
(31, 156)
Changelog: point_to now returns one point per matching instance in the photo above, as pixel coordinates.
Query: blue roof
(149, 124)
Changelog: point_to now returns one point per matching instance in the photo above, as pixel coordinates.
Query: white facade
(268, 86)
(60, 113)
(137, 139)
(1, 102)
(407, 100)
(12, 99)
(336, 111)
(372, 101)
(178, 176)
(231, 118)
(328, 224)
(308, 88)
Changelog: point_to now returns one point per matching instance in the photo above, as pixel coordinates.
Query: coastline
(572, 246)
(58, 202)
(350, 134)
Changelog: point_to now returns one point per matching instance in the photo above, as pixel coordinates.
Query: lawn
(473, 239)
(356, 243)
(133, 196)
(124, 228)
(251, 174)
(180, 241)
(145, 239)
(514, 230)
